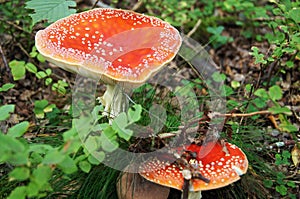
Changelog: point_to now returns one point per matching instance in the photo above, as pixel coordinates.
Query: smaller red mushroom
(213, 165)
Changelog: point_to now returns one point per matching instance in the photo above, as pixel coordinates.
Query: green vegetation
(48, 151)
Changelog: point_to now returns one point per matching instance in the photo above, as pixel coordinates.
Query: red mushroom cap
(111, 44)
(220, 167)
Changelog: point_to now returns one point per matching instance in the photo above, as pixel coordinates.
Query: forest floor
(261, 137)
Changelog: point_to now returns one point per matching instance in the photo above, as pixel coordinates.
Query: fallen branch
(243, 114)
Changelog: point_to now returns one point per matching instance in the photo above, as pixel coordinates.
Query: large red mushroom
(120, 47)
(213, 165)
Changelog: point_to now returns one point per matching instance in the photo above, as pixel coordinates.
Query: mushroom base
(195, 195)
(133, 186)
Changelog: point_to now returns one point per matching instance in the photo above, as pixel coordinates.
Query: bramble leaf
(50, 10)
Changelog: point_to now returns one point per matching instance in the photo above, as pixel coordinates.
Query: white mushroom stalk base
(186, 173)
(114, 100)
(195, 195)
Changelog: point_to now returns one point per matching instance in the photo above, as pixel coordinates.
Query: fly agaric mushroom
(221, 166)
(117, 46)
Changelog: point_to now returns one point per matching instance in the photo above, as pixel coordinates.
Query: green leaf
(68, 165)
(41, 58)
(291, 184)
(108, 140)
(42, 174)
(17, 69)
(259, 102)
(40, 148)
(268, 183)
(96, 157)
(295, 14)
(18, 193)
(85, 166)
(67, 135)
(91, 143)
(19, 173)
(134, 113)
(275, 92)
(218, 77)
(5, 111)
(39, 106)
(53, 157)
(50, 10)
(261, 93)
(10, 143)
(48, 71)
(18, 130)
(288, 127)
(31, 68)
(120, 121)
(48, 81)
(119, 124)
(286, 154)
(278, 110)
(6, 87)
(32, 189)
(12, 150)
(41, 74)
(281, 189)
(235, 84)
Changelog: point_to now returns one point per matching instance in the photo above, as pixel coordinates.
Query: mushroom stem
(195, 195)
(114, 100)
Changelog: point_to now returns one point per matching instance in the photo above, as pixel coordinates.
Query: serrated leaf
(261, 93)
(278, 110)
(19, 173)
(18, 130)
(50, 10)
(268, 183)
(295, 14)
(259, 102)
(288, 127)
(281, 189)
(5, 111)
(275, 93)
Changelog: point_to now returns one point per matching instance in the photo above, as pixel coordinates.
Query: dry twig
(5, 63)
